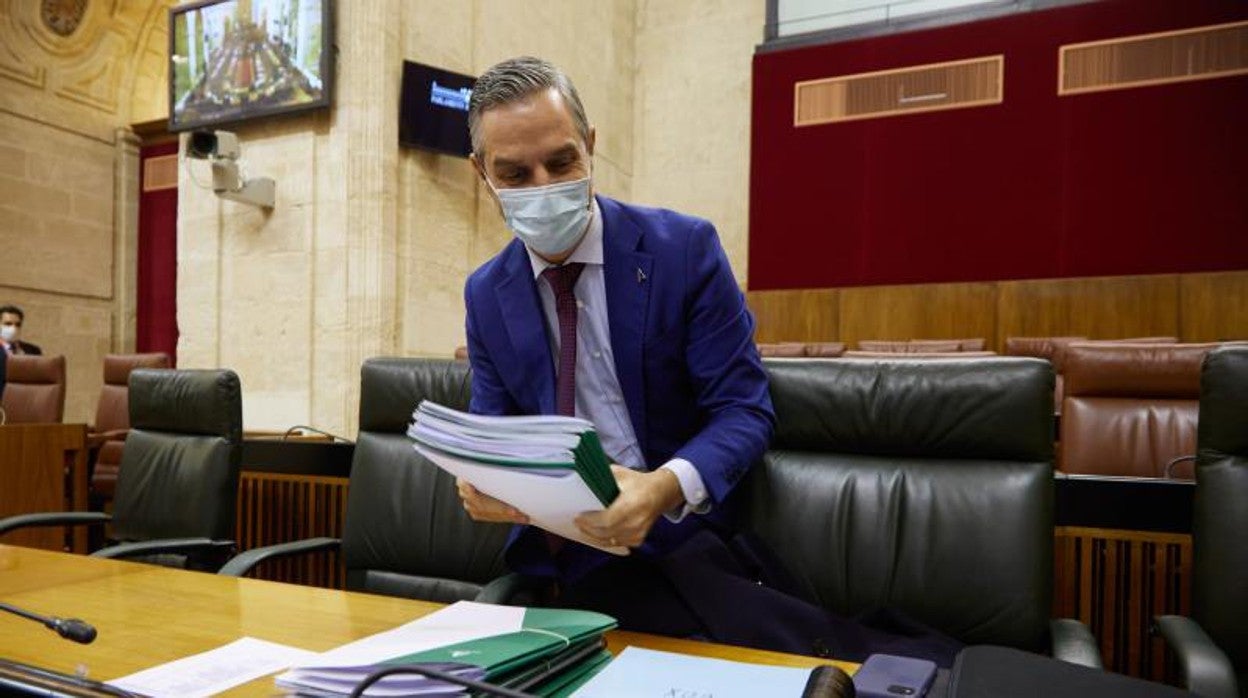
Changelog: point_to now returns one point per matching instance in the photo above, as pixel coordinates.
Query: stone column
(126, 188)
(359, 180)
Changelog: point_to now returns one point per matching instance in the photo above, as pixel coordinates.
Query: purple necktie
(562, 280)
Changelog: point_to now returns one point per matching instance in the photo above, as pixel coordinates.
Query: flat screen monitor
(232, 60)
(433, 109)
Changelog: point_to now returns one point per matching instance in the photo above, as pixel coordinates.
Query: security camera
(222, 150)
(213, 145)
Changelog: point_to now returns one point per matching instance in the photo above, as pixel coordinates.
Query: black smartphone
(890, 676)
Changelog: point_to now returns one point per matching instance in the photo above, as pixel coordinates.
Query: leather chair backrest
(782, 349)
(112, 412)
(34, 389)
(916, 356)
(180, 468)
(924, 486)
(405, 532)
(1129, 409)
(1220, 518)
(824, 349)
(914, 346)
(1039, 347)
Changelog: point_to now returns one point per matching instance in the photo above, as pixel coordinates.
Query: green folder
(587, 458)
(544, 632)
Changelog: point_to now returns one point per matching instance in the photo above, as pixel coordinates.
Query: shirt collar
(588, 250)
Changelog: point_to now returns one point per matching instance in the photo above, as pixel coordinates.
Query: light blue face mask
(549, 220)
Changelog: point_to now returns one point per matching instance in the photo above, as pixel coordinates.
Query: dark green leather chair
(177, 488)
(405, 532)
(922, 486)
(1212, 645)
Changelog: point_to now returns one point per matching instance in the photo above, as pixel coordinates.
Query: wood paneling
(921, 311)
(1213, 307)
(277, 508)
(807, 315)
(43, 468)
(1097, 308)
(1200, 307)
(1116, 582)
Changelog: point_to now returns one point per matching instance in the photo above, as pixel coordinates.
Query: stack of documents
(549, 467)
(538, 650)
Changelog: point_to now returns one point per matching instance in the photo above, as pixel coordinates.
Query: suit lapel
(522, 316)
(626, 275)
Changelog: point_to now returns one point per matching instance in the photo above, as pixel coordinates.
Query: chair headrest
(1043, 347)
(117, 367)
(206, 402)
(913, 346)
(390, 389)
(36, 370)
(1134, 370)
(1223, 407)
(993, 407)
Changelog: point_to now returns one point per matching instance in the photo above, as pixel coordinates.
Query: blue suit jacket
(684, 355)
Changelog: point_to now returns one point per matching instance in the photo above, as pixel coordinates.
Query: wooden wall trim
(1197, 307)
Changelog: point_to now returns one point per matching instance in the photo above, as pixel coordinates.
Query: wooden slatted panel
(160, 172)
(1117, 582)
(275, 508)
(935, 86)
(1153, 59)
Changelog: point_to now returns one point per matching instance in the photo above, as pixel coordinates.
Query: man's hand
(644, 497)
(482, 507)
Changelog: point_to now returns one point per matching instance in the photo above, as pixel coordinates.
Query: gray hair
(515, 79)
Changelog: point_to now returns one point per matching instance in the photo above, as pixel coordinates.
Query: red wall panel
(156, 321)
(1141, 180)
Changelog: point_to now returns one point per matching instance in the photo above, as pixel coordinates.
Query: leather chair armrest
(242, 563)
(1206, 669)
(53, 518)
(1073, 642)
(163, 545)
(95, 439)
(514, 589)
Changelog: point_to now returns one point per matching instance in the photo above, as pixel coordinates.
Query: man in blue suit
(660, 340)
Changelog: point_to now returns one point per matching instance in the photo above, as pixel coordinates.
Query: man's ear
(589, 143)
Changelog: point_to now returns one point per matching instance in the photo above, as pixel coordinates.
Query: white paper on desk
(643, 673)
(551, 502)
(214, 671)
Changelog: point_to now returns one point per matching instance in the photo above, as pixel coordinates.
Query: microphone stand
(69, 628)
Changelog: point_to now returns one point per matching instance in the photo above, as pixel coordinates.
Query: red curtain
(157, 311)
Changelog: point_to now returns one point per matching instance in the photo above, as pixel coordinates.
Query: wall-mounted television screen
(433, 109)
(231, 60)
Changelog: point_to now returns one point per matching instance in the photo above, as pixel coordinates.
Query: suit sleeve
(489, 395)
(726, 372)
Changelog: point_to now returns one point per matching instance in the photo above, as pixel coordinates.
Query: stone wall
(368, 246)
(68, 178)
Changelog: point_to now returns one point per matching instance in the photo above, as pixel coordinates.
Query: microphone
(74, 629)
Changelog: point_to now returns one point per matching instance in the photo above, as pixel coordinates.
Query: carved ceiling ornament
(62, 16)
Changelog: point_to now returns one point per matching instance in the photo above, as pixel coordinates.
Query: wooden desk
(43, 467)
(147, 615)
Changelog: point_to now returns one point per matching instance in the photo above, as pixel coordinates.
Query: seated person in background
(628, 317)
(11, 319)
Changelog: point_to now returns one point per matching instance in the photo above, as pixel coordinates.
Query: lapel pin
(641, 275)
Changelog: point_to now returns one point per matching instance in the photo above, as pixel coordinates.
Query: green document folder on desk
(549, 467)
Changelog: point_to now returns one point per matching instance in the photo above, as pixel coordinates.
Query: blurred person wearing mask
(11, 319)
